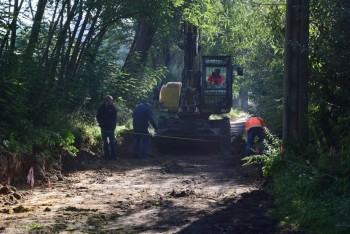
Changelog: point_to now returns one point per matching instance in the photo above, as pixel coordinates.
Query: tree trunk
(13, 27)
(86, 44)
(77, 47)
(36, 28)
(60, 42)
(92, 52)
(52, 29)
(4, 41)
(65, 60)
(138, 52)
(295, 124)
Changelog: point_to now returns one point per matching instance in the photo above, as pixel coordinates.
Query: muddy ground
(183, 192)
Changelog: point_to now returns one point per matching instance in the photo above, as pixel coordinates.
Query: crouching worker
(254, 127)
(142, 117)
(107, 120)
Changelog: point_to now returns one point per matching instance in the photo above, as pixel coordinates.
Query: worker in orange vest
(216, 78)
(254, 127)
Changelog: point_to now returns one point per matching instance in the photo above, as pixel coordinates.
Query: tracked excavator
(186, 106)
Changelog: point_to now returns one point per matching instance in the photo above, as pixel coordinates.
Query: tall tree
(142, 42)
(51, 69)
(295, 125)
(35, 28)
(13, 26)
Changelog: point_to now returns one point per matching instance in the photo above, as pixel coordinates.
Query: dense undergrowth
(310, 188)
(60, 135)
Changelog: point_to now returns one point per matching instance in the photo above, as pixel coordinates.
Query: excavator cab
(216, 88)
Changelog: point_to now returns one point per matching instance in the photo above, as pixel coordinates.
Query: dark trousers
(252, 133)
(108, 138)
(141, 144)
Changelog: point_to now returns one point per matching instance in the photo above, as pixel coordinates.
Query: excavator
(186, 106)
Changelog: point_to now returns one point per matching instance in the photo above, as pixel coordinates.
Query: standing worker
(107, 120)
(254, 127)
(142, 117)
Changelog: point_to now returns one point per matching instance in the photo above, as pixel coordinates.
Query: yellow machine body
(169, 96)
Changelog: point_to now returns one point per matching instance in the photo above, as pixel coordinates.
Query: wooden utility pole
(295, 124)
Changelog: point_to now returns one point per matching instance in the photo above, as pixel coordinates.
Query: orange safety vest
(254, 122)
(216, 80)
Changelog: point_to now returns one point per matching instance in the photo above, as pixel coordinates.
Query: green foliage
(309, 196)
(67, 142)
(271, 153)
(233, 114)
(120, 129)
(311, 189)
(138, 89)
(86, 136)
(41, 144)
(329, 83)
(236, 114)
(11, 144)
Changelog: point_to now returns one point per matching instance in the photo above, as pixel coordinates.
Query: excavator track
(227, 141)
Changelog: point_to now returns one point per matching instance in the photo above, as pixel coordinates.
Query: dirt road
(164, 193)
(183, 192)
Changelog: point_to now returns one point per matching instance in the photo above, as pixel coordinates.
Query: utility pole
(296, 74)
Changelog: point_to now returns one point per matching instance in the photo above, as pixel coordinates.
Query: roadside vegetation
(309, 187)
(60, 58)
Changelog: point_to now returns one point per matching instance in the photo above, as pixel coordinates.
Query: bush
(311, 189)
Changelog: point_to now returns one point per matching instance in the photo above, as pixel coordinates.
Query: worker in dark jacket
(107, 120)
(142, 117)
(254, 127)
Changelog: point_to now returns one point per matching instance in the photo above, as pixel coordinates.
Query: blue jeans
(141, 144)
(252, 133)
(108, 138)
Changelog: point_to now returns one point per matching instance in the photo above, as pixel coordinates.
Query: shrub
(310, 188)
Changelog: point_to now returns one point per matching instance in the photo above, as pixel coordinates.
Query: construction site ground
(175, 192)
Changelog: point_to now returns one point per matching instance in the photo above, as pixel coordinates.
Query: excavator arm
(190, 90)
